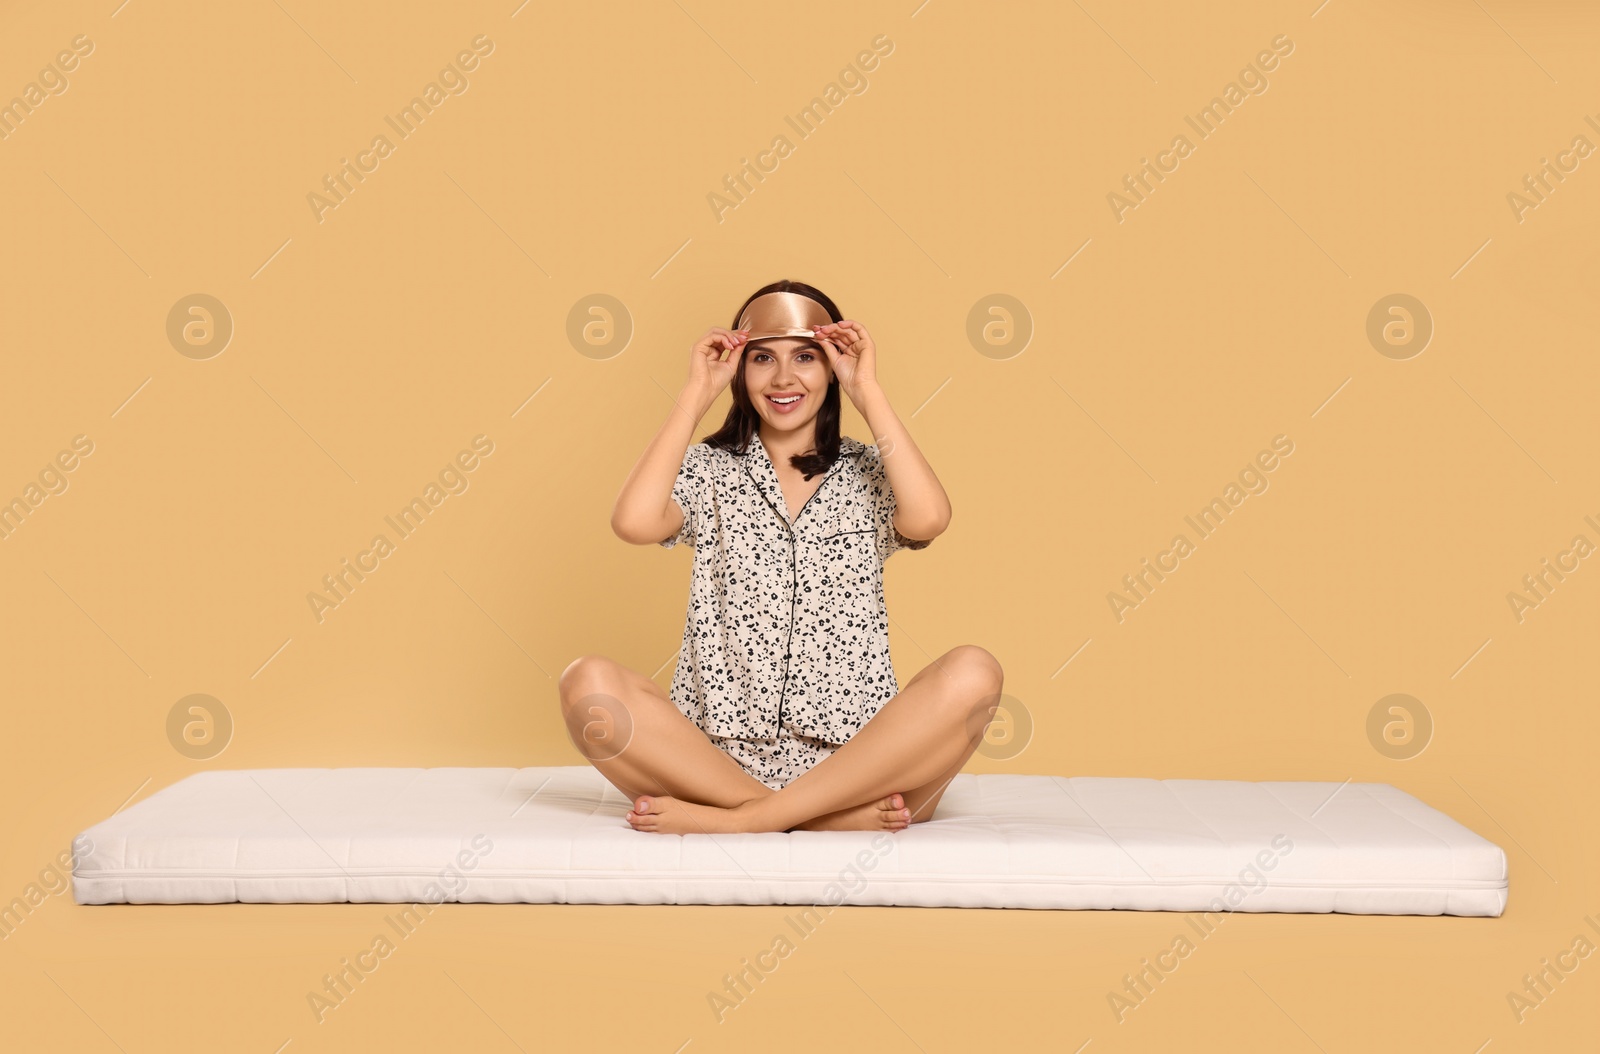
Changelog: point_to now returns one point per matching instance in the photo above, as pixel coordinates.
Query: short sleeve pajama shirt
(786, 643)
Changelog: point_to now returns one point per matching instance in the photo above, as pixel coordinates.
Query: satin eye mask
(782, 315)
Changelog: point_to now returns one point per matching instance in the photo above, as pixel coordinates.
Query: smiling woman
(783, 374)
(784, 711)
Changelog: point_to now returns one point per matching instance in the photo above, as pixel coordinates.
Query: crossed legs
(628, 728)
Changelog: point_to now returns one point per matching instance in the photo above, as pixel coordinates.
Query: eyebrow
(809, 345)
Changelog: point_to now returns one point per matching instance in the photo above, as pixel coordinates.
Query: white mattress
(558, 835)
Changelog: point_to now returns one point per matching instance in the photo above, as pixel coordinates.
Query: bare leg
(922, 801)
(918, 739)
(628, 728)
(916, 805)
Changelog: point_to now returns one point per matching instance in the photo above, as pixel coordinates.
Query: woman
(784, 711)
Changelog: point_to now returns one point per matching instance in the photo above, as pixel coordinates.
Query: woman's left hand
(852, 355)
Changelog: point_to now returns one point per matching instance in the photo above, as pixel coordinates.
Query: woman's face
(792, 369)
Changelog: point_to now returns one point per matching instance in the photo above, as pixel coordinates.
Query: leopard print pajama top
(786, 643)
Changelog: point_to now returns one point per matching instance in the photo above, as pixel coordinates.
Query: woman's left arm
(922, 508)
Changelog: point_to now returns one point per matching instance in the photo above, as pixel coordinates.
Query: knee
(973, 679)
(586, 675)
(976, 668)
(600, 723)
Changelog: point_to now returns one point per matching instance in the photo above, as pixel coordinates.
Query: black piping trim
(794, 589)
(794, 554)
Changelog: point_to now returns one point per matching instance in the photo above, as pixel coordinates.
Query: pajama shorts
(775, 762)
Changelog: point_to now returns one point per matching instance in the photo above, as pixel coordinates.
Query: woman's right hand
(708, 373)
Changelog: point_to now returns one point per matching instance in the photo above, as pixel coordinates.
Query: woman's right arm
(644, 512)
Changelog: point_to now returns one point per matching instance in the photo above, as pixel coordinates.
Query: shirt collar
(758, 465)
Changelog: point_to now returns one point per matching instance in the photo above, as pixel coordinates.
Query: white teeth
(785, 400)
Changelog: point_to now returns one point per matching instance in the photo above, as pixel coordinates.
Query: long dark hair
(742, 424)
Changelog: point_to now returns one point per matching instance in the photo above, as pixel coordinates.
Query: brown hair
(743, 422)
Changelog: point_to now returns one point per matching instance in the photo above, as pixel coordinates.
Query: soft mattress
(557, 835)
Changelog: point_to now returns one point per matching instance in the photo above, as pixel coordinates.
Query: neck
(781, 446)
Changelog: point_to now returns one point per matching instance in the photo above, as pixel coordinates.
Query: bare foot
(664, 814)
(886, 814)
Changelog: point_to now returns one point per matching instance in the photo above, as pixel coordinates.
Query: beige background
(432, 306)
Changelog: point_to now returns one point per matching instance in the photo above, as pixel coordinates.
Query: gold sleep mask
(782, 315)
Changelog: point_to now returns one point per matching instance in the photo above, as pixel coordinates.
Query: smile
(785, 403)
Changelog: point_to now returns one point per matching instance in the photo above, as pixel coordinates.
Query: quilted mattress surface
(557, 835)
